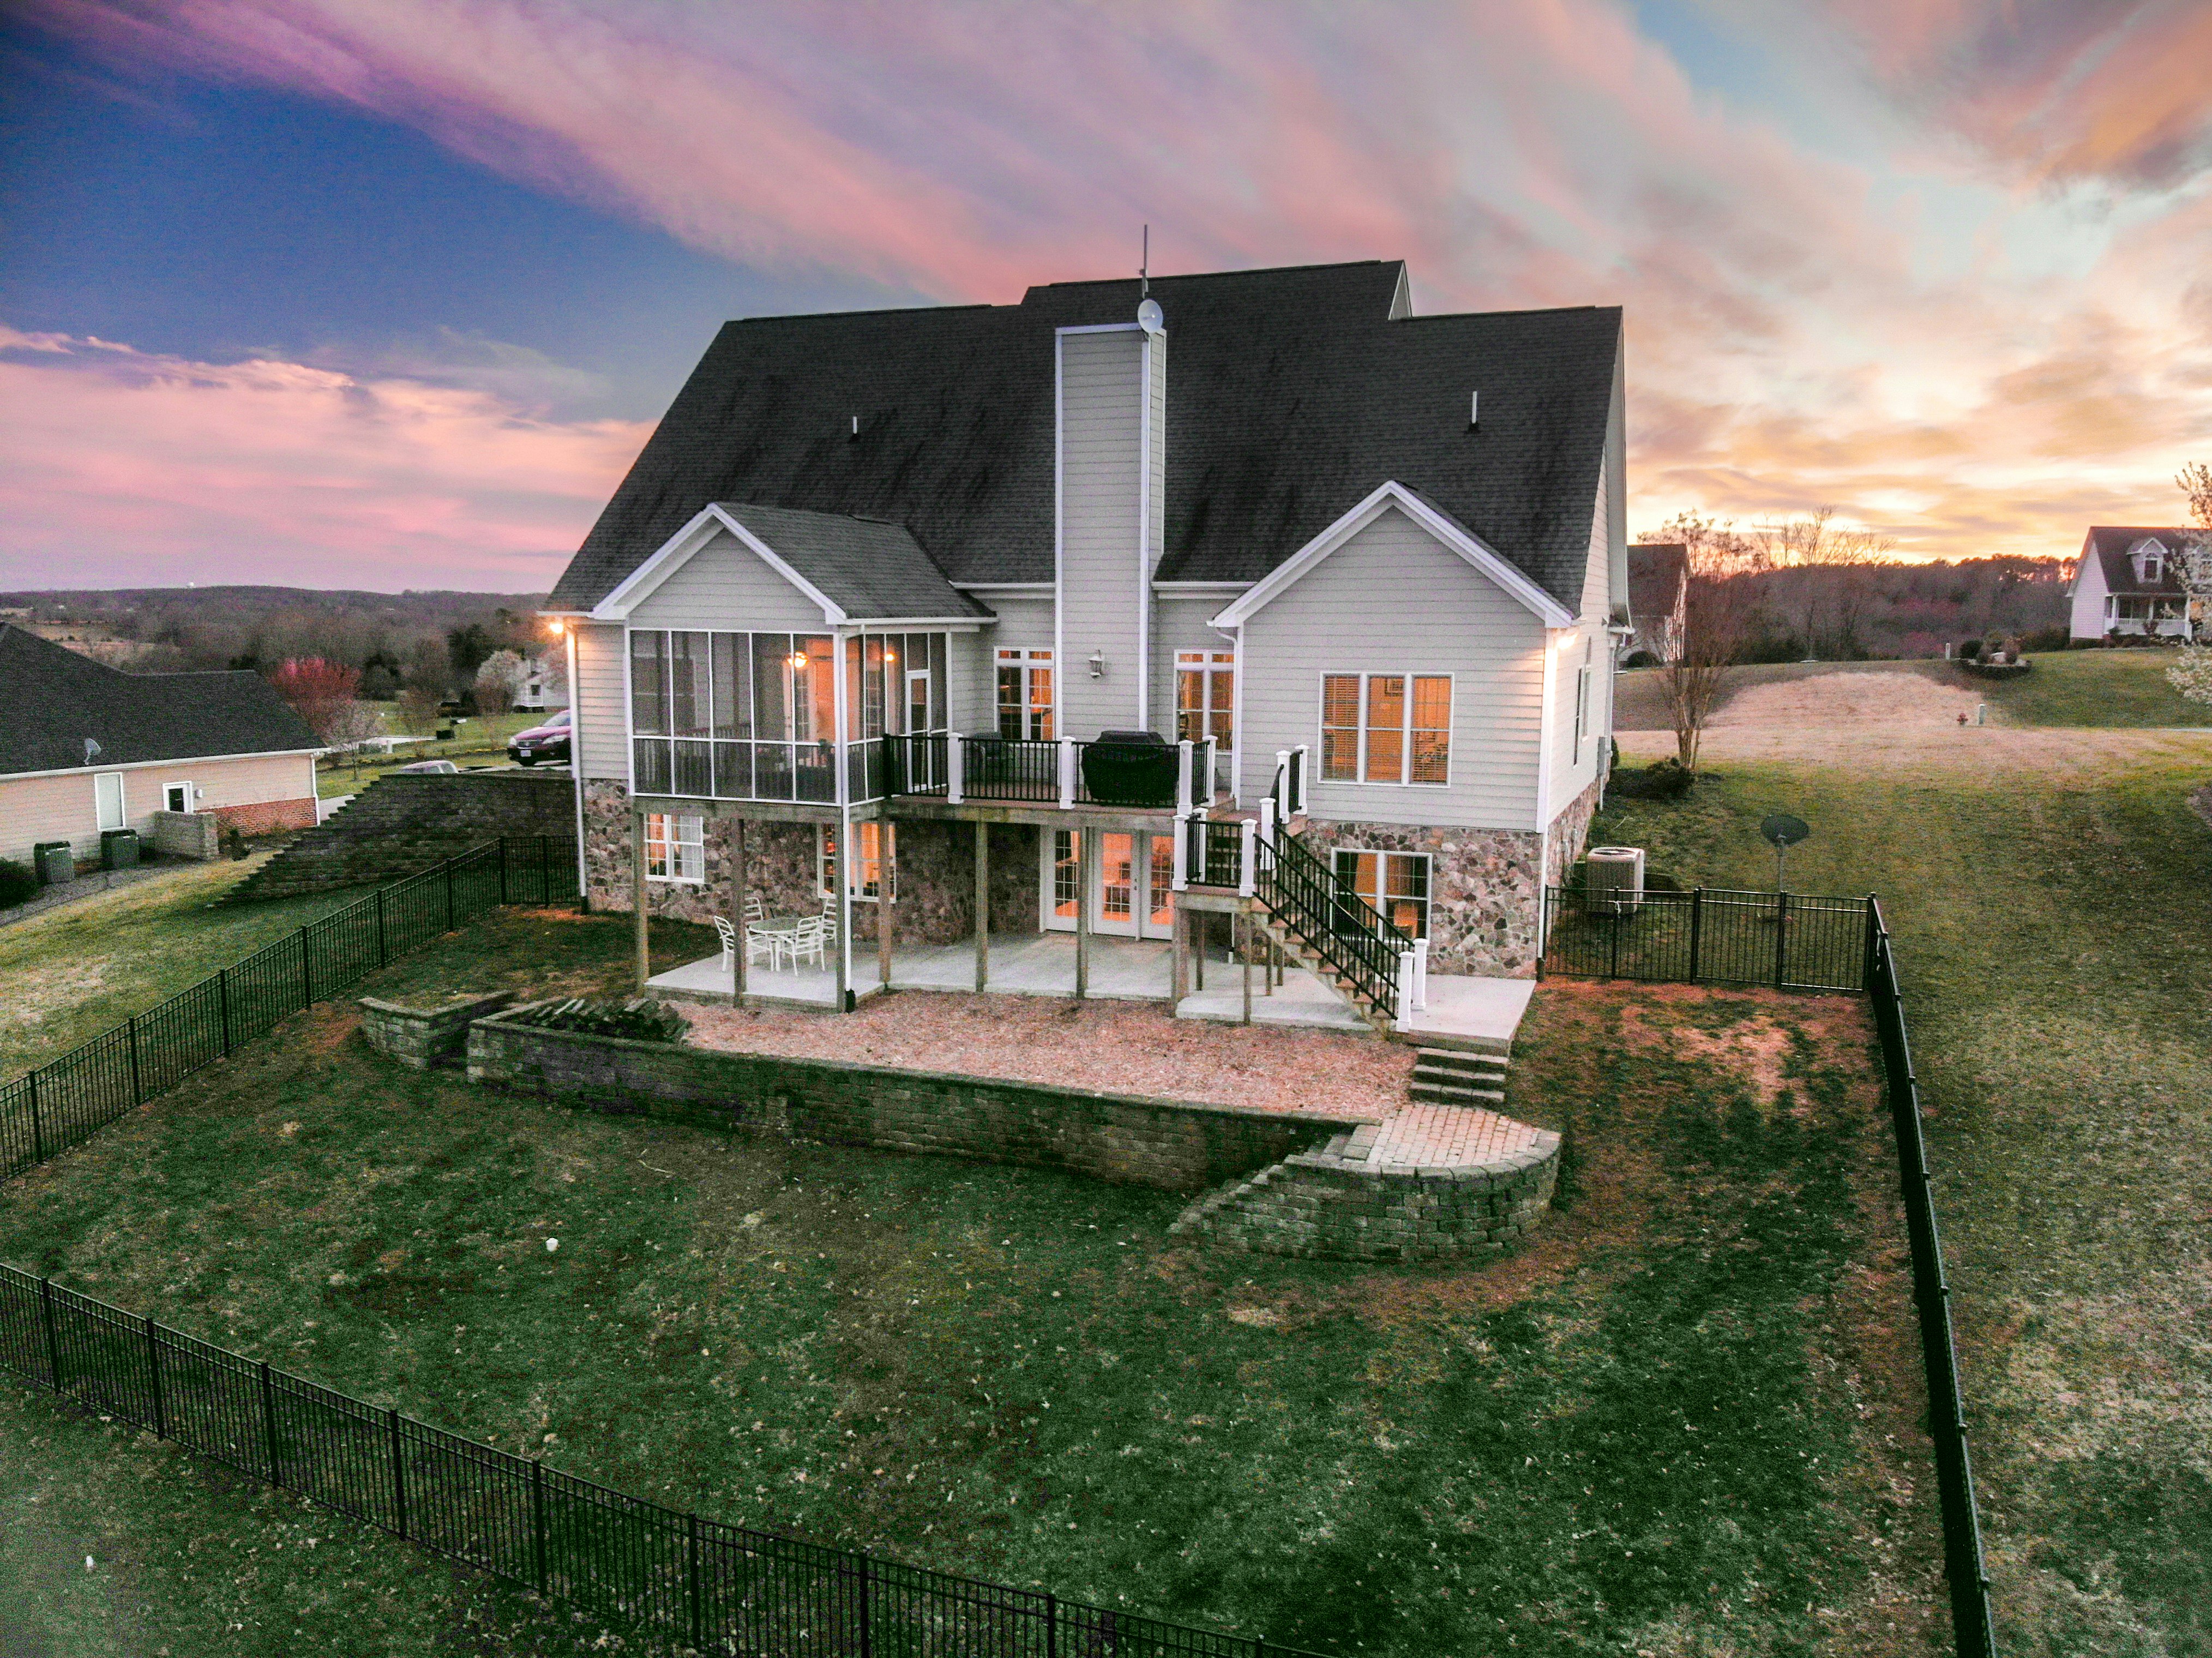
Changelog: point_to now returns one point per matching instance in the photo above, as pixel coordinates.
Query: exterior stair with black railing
(1293, 944)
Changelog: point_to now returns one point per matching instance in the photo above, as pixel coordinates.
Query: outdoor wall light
(1098, 665)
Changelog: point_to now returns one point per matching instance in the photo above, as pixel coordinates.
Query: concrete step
(1442, 1060)
(1438, 1094)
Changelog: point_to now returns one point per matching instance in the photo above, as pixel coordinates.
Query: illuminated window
(1205, 697)
(675, 846)
(1025, 695)
(867, 862)
(1396, 885)
(1386, 728)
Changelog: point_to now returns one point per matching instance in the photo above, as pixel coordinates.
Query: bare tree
(1815, 542)
(427, 677)
(1721, 609)
(500, 679)
(2193, 674)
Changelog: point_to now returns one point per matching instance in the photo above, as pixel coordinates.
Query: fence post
(502, 868)
(1696, 930)
(153, 1370)
(398, 1474)
(269, 1422)
(691, 1582)
(866, 1640)
(38, 1128)
(1051, 1624)
(1781, 939)
(545, 869)
(537, 1521)
(1866, 966)
(137, 1091)
(307, 973)
(1612, 959)
(383, 956)
(53, 1339)
(449, 895)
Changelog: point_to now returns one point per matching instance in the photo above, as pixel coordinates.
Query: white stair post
(1184, 797)
(1283, 780)
(955, 766)
(1184, 821)
(1406, 968)
(1420, 976)
(1067, 773)
(1212, 770)
(1248, 858)
(1267, 825)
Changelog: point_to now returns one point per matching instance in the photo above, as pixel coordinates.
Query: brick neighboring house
(223, 745)
(1658, 599)
(2127, 585)
(885, 593)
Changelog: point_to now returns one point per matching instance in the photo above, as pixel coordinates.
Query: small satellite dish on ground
(1783, 830)
(1149, 318)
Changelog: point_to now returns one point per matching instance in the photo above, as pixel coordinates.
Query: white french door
(1131, 884)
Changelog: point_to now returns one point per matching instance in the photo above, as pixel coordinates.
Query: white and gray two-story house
(1045, 616)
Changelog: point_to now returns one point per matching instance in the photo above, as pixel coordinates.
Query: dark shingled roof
(52, 699)
(1292, 395)
(1656, 570)
(2111, 545)
(867, 568)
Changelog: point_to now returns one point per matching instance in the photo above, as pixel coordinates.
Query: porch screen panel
(773, 678)
(649, 683)
(691, 707)
(939, 666)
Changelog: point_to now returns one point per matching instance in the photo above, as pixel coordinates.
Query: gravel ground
(1123, 1048)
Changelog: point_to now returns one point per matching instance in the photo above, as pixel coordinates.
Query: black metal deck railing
(1709, 936)
(66, 1101)
(688, 1582)
(1356, 941)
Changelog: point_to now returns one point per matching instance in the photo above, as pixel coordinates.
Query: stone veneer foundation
(1483, 884)
(427, 1034)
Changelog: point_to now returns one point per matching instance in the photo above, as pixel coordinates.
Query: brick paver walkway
(1419, 1136)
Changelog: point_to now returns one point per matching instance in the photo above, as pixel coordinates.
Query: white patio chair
(764, 941)
(728, 935)
(828, 921)
(755, 907)
(810, 937)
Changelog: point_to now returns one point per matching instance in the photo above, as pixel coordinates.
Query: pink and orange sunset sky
(386, 293)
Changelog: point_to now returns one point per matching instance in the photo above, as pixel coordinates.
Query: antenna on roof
(1145, 267)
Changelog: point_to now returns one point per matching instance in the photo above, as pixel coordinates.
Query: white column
(1184, 795)
(1248, 858)
(1067, 773)
(956, 767)
(1182, 847)
(1420, 976)
(1407, 968)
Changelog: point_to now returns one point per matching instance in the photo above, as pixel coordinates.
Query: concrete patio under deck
(1478, 1014)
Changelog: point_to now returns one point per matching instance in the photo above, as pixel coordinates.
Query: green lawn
(1683, 1420)
(71, 972)
(2095, 688)
(2054, 942)
(480, 739)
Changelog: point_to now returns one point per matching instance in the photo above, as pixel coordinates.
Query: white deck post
(1182, 847)
(1066, 773)
(1407, 968)
(1212, 767)
(1248, 858)
(1268, 823)
(1420, 976)
(956, 767)
(1183, 794)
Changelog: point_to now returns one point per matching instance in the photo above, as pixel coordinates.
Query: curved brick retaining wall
(1177, 1145)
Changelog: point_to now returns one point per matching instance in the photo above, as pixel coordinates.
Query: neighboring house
(1658, 600)
(2127, 583)
(880, 580)
(545, 685)
(85, 747)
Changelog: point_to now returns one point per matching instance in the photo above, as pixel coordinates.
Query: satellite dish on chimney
(91, 748)
(1149, 318)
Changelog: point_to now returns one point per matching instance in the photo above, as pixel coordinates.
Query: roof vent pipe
(1474, 410)
(856, 428)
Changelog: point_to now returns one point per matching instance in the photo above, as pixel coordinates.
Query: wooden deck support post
(1244, 952)
(886, 865)
(982, 906)
(1082, 913)
(1179, 955)
(738, 879)
(637, 895)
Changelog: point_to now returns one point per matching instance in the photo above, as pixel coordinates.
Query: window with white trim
(675, 846)
(867, 862)
(177, 797)
(1583, 700)
(1205, 697)
(1396, 885)
(107, 800)
(1025, 695)
(1386, 728)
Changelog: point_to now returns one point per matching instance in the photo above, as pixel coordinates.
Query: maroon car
(547, 742)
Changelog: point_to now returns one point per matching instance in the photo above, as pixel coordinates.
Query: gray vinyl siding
(1102, 403)
(727, 586)
(602, 718)
(1393, 600)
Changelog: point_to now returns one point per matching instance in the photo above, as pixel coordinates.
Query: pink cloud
(122, 467)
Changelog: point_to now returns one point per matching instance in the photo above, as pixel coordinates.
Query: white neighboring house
(2128, 584)
(546, 686)
(888, 578)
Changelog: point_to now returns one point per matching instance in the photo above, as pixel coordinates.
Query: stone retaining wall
(424, 1035)
(1322, 1205)
(1175, 1145)
(196, 834)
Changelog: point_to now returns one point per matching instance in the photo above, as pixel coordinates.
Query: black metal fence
(68, 1100)
(1963, 1562)
(688, 1581)
(1709, 936)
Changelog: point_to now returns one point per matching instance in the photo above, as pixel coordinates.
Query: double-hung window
(1205, 697)
(867, 861)
(1396, 885)
(1386, 728)
(675, 846)
(1583, 700)
(1025, 695)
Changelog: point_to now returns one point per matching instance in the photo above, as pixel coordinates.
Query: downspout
(577, 770)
